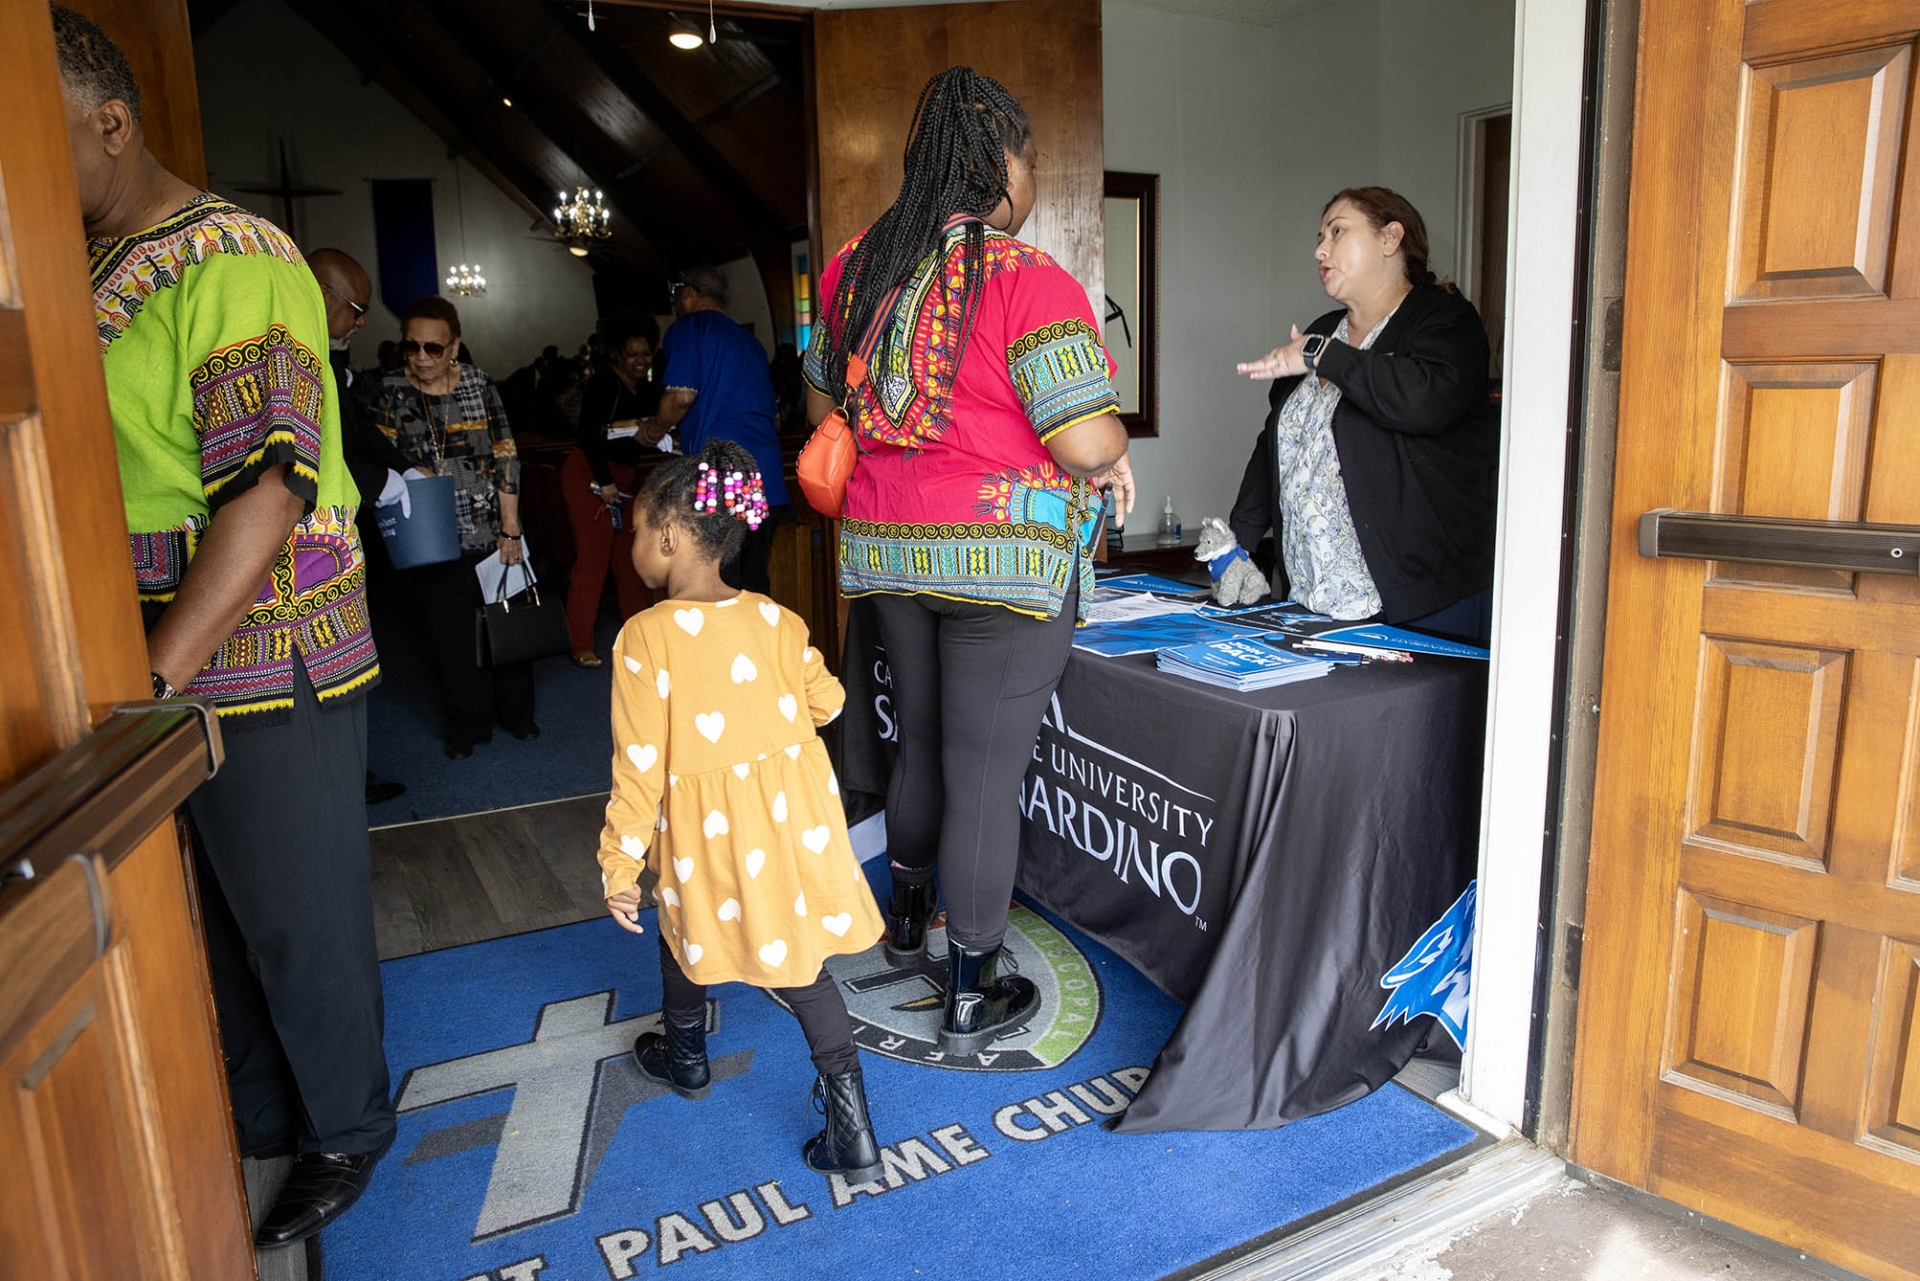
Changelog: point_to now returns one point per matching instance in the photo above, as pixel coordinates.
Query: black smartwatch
(1310, 351)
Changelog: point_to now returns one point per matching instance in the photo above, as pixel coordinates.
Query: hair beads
(741, 492)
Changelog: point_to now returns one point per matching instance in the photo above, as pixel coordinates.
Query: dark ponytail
(1382, 206)
(668, 495)
(963, 129)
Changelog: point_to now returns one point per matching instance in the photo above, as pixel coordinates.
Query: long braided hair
(964, 127)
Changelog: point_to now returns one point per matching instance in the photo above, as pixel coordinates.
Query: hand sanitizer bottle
(1169, 526)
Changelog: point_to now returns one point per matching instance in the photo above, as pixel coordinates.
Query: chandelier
(466, 282)
(580, 219)
(463, 281)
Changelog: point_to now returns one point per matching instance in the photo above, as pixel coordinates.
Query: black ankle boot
(908, 913)
(676, 1057)
(846, 1146)
(982, 1006)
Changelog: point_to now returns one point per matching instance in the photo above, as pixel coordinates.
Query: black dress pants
(450, 595)
(970, 685)
(818, 1006)
(280, 856)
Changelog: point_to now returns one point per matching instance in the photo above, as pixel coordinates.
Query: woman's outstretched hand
(1120, 477)
(1281, 362)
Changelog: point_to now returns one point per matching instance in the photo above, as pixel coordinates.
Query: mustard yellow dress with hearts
(721, 785)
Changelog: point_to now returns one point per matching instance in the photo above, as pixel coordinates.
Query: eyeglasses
(358, 308)
(434, 349)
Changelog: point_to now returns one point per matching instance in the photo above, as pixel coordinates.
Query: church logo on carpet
(896, 1009)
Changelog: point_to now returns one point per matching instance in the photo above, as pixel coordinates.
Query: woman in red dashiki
(988, 429)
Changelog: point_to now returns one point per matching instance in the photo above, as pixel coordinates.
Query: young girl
(721, 785)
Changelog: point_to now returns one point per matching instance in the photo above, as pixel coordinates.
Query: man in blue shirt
(717, 384)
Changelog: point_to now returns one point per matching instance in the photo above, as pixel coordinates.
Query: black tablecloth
(1263, 858)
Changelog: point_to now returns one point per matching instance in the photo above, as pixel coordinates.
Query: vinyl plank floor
(447, 882)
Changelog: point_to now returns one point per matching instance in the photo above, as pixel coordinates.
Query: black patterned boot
(982, 1006)
(676, 1056)
(846, 1146)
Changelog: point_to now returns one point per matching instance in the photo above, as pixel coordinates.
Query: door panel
(114, 1124)
(1748, 1037)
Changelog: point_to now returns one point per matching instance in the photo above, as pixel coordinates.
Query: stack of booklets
(1241, 664)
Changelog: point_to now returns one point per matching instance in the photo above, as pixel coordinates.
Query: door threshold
(1355, 1243)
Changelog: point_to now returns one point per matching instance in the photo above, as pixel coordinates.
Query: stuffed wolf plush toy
(1236, 580)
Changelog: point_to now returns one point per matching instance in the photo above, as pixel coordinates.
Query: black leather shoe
(846, 1146)
(982, 1006)
(908, 913)
(527, 733)
(676, 1057)
(318, 1190)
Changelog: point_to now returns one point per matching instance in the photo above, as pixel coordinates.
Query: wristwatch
(1310, 351)
(161, 689)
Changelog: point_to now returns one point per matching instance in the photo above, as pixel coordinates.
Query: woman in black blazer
(1376, 466)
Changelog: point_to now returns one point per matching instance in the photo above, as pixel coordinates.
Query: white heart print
(633, 664)
(838, 924)
(789, 706)
(743, 669)
(711, 725)
(694, 953)
(800, 905)
(661, 683)
(808, 654)
(774, 953)
(669, 896)
(643, 755)
(779, 807)
(816, 838)
(793, 752)
(770, 612)
(633, 847)
(730, 910)
(833, 784)
(742, 769)
(690, 620)
(716, 824)
(683, 870)
(756, 859)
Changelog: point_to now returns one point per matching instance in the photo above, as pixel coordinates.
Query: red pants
(596, 542)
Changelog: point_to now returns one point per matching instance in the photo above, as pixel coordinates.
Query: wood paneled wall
(870, 65)
(158, 41)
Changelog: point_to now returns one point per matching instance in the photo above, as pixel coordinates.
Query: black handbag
(519, 628)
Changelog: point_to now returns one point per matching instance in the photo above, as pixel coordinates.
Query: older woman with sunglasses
(447, 418)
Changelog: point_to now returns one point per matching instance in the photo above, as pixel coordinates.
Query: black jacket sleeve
(597, 401)
(368, 453)
(1423, 384)
(1252, 513)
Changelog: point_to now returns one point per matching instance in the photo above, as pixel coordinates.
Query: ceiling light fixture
(581, 218)
(506, 102)
(463, 281)
(686, 40)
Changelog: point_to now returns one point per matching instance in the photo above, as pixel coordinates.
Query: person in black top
(617, 423)
(1376, 467)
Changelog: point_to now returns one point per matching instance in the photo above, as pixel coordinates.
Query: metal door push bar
(1850, 546)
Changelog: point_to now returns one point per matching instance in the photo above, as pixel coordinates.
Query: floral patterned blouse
(1317, 540)
(464, 431)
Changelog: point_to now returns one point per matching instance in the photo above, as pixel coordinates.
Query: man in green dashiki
(213, 336)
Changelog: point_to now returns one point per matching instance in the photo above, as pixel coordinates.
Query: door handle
(1856, 547)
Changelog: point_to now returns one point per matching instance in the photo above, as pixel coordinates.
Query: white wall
(340, 133)
(1251, 128)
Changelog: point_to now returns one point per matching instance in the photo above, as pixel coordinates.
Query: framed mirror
(1131, 325)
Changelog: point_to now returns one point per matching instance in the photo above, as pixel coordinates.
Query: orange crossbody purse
(827, 461)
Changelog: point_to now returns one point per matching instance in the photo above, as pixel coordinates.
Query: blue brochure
(1145, 635)
(1241, 663)
(1156, 584)
(1400, 638)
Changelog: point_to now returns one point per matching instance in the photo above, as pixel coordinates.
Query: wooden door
(114, 1131)
(870, 65)
(1749, 1040)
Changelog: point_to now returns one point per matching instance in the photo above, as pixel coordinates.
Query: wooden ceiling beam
(515, 175)
(756, 215)
(558, 115)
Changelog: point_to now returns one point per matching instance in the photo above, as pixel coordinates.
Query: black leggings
(970, 685)
(822, 1014)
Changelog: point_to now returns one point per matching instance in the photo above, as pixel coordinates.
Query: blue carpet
(530, 1147)
(572, 756)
